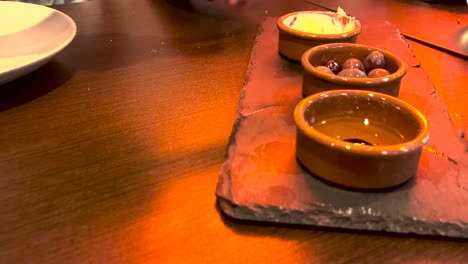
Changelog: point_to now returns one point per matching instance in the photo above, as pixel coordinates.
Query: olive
(378, 72)
(353, 63)
(351, 72)
(334, 66)
(374, 60)
(324, 69)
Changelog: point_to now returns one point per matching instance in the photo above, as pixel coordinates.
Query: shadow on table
(206, 35)
(170, 32)
(33, 85)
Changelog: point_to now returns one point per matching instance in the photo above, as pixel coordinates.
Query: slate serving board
(260, 179)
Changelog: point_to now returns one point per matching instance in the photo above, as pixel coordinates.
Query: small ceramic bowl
(359, 139)
(317, 29)
(315, 81)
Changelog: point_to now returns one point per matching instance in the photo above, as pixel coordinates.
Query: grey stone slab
(260, 179)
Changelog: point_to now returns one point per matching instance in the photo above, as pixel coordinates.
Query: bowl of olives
(351, 66)
(359, 139)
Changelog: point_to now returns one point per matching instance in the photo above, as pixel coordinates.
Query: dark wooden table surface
(111, 152)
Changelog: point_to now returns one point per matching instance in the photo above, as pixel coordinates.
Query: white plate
(30, 35)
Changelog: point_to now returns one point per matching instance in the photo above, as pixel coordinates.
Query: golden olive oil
(359, 131)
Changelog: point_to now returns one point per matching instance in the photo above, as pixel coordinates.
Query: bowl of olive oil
(359, 139)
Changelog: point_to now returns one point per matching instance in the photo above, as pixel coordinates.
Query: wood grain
(111, 153)
(444, 26)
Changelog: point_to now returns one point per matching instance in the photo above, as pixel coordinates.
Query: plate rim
(43, 58)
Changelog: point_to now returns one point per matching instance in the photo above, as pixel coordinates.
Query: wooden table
(111, 152)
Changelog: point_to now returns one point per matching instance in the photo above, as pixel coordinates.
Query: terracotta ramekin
(293, 43)
(314, 81)
(382, 152)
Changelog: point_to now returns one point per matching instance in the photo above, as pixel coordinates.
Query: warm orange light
(440, 154)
